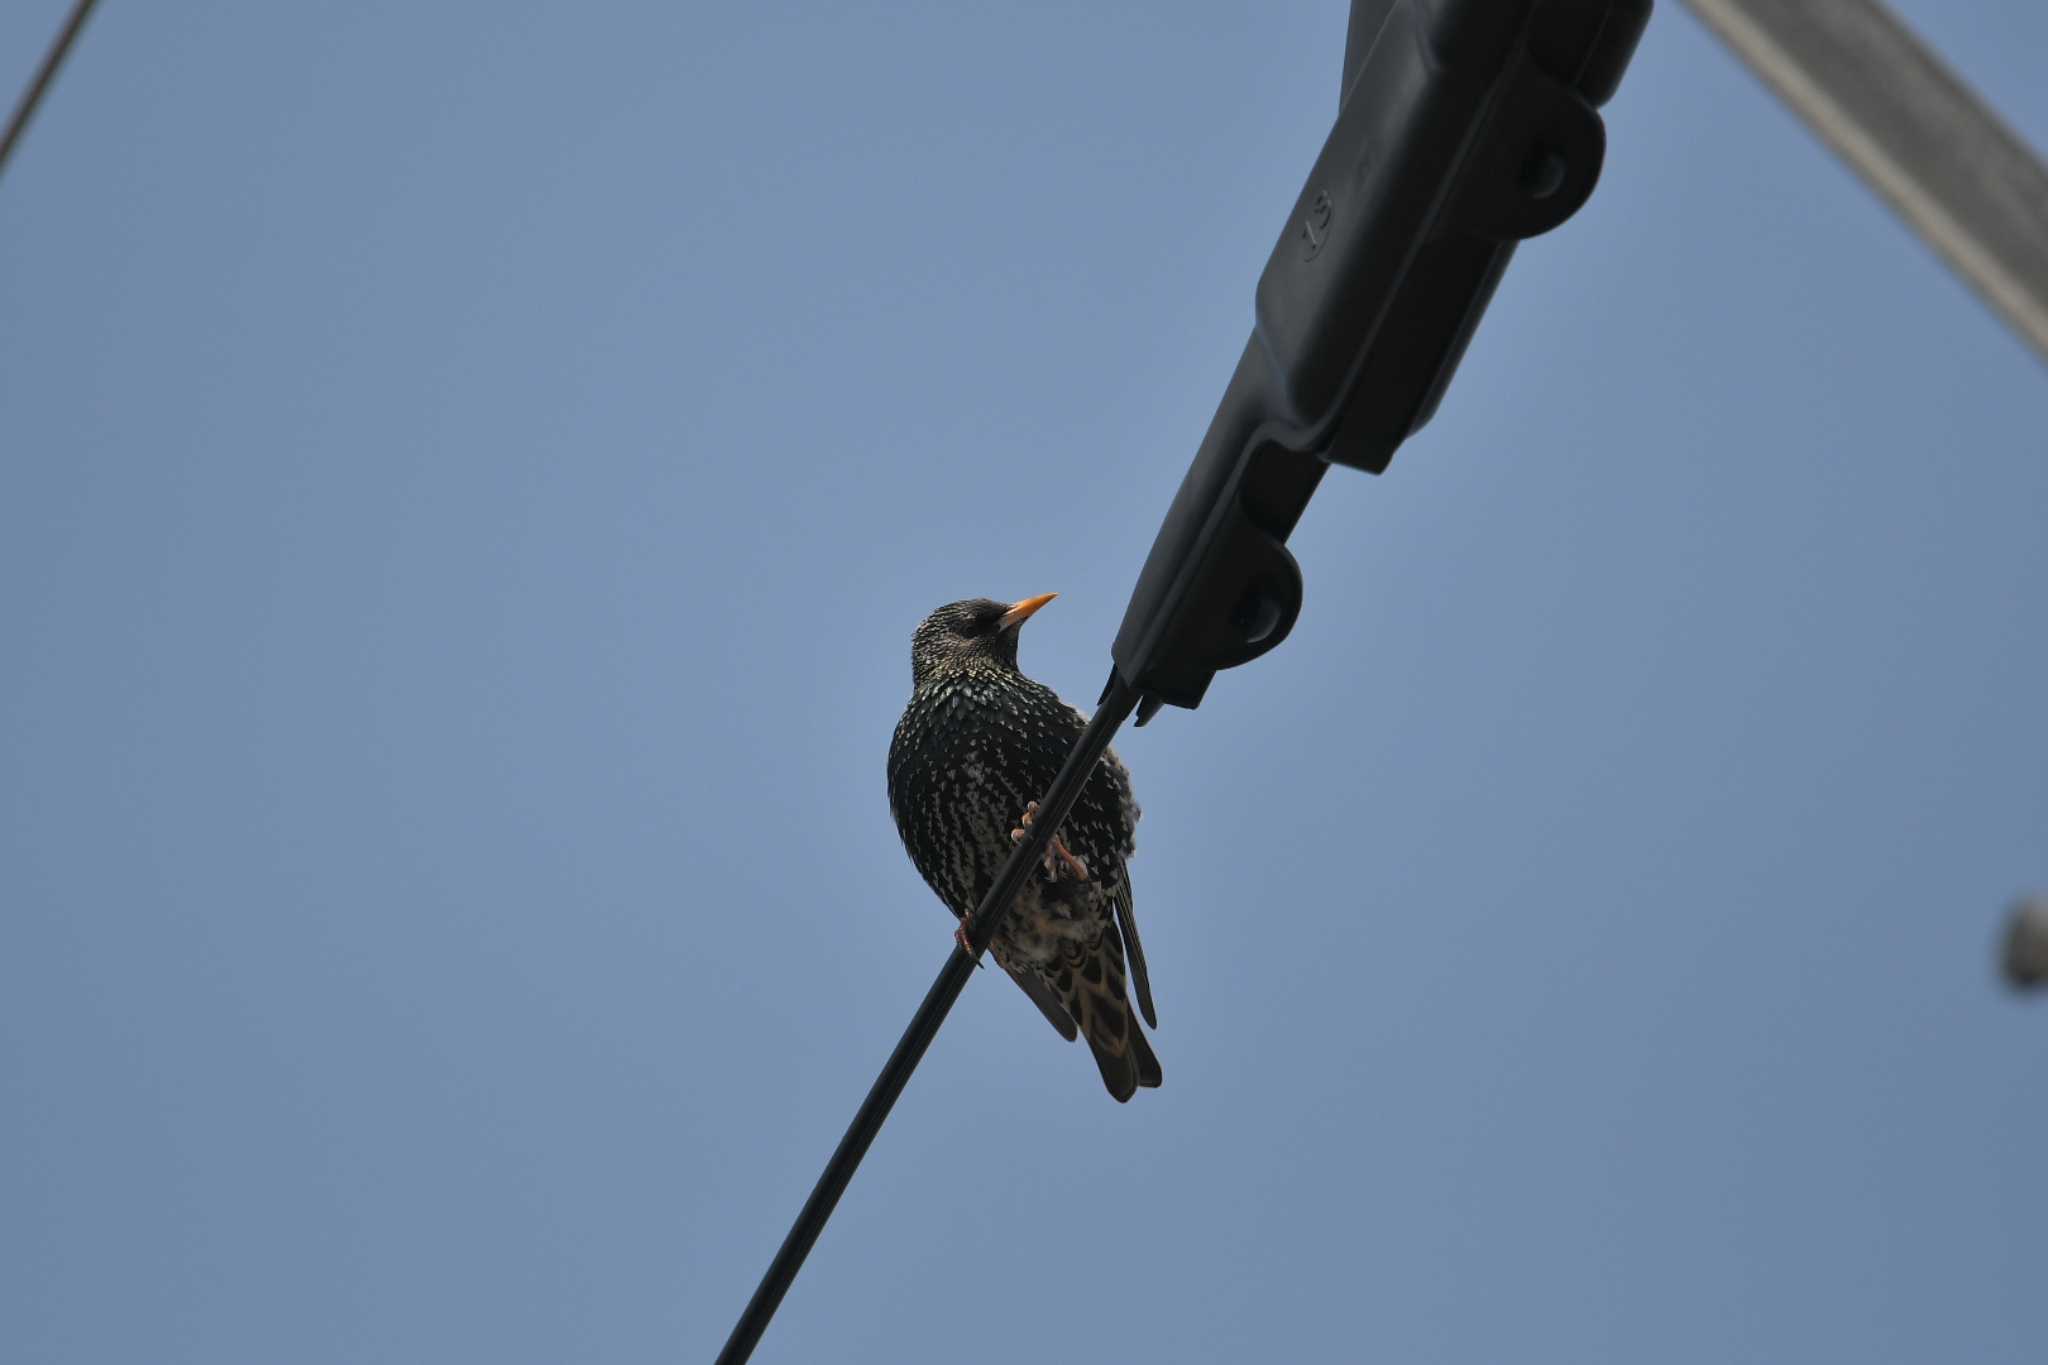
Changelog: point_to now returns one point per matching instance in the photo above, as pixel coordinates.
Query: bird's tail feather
(1091, 986)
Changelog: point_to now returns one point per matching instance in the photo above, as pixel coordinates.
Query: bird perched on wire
(977, 745)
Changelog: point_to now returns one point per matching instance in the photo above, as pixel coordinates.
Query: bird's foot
(1057, 854)
(1066, 855)
(960, 937)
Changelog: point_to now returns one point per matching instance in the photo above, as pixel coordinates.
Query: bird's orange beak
(1020, 612)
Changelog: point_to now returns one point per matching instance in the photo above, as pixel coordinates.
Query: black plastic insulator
(1465, 127)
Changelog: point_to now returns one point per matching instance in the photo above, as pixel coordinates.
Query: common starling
(977, 745)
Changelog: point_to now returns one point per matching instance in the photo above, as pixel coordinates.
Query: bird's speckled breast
(969, 754)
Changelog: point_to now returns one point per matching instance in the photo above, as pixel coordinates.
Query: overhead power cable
(39, 84)
(924, 1025)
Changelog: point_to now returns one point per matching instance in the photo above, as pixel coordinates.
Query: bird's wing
(1048, 1003)
(1127, 924)
(1116, 809)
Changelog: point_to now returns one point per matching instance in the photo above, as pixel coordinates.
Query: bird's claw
(1066, 855)
(1056, 854)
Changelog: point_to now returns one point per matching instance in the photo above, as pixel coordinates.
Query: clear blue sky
(468, 475)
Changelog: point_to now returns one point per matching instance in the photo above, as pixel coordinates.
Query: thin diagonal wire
(1059, 799)
(47, 72)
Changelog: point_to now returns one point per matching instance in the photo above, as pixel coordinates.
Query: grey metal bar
(1920, 137)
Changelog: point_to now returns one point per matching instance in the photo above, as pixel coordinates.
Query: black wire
(1059, 799)
(47, 72)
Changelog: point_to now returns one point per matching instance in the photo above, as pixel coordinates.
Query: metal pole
(1918, 135)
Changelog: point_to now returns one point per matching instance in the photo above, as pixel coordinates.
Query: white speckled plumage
(977, 744)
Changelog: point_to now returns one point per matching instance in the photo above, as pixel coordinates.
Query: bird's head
(962, 636)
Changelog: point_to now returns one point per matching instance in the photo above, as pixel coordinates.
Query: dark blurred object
(2026, 945)
(1465, 126)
